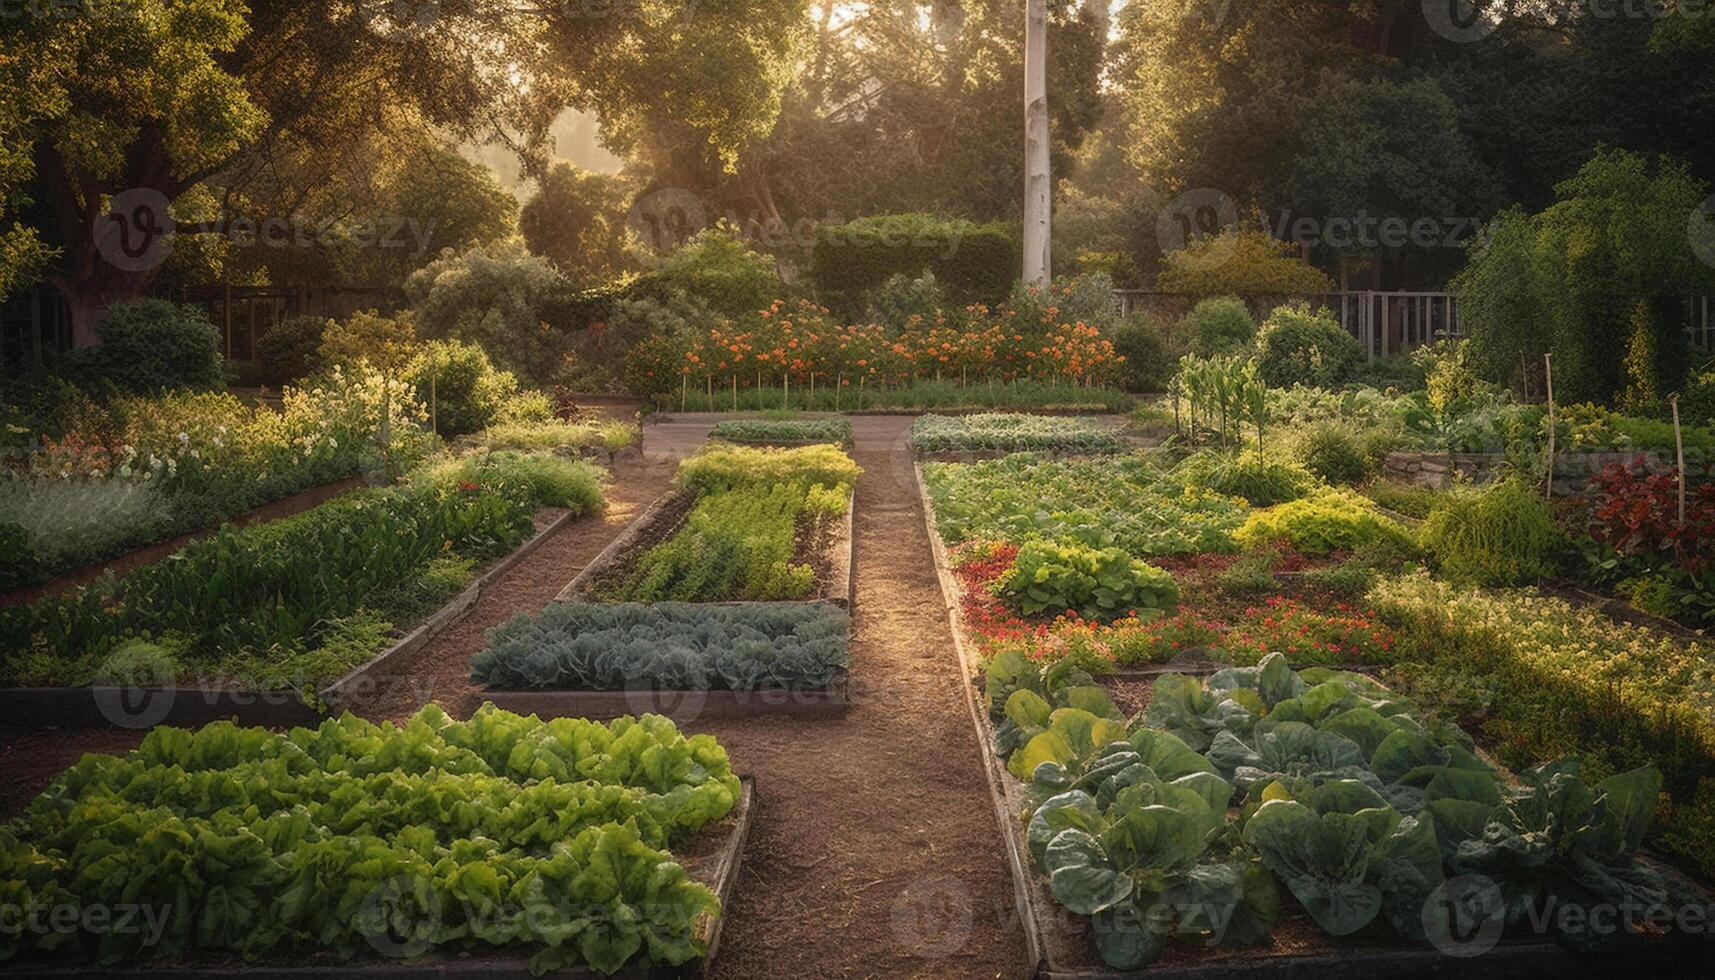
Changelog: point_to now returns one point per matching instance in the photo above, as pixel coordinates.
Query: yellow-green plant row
(1543, 679)
(741, 536)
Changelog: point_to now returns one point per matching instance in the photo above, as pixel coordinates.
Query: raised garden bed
(1060, 945)
(713, 859)
(833, 558)
(190, 705)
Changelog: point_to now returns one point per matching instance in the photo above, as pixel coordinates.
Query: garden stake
(1548, 379)
(1679, 453)
(684, 381)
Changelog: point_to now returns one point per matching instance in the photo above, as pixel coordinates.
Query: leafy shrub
(1098, 585)
(496, 297)
(719, 269)
(905, 303)
(1247, 261)
(976, 263)
(1222, 325)
(152, 345)
(1499, 535)
(458, 808)
(1246, 475)
(668, 646)
(1299, 347)
(1334, 454)
(836, 430)
(1317, 525)
(1412, 501)
(1149, 364)
(547, 436)
(291, 350)
(1010, 432)
(467, 392)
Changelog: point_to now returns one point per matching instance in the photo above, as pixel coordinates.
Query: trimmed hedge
(976, 263)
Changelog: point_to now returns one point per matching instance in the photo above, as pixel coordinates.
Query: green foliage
(54, 524)
(1149, 364)
(577, 219)
(717, 268)
(423, 817)
(1334, 454)
(549, 480)
(1099, 585)
(257, 597)
(1251, 262)
(834, 430)
(1502, 534)
(151, 345)
(668, 646)
(1245, 475)
(550, 436)
(975, 263)
(1297, 346)
(735, 545)
(923, 394)
(1119, 502)
(1013, 433)
(1548, 679)
(468, 392)
(1596, 276)
(1221, 325)
(1323, 523)
(904, 302)
(497, 297)
(1223, 393)
(291, 350)
(735, 467)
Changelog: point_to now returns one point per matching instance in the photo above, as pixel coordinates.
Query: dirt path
(875, 852)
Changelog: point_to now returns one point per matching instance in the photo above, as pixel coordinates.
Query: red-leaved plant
(1636, 513)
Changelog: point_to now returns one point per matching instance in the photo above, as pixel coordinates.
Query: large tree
(156, 97)
(577, 219)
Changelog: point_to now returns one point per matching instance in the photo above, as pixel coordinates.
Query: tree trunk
(1038, 183)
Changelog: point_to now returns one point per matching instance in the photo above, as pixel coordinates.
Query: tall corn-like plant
(1227, 388)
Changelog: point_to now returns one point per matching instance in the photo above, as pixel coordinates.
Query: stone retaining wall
(1572, 471)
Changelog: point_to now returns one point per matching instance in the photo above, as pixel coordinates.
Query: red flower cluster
(1282, 625)
(986, 615)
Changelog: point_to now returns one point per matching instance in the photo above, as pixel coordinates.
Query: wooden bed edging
(191, 705)
(1509, 959)
(683, 707)
(452, 966)
(363, 680)
(841, 589)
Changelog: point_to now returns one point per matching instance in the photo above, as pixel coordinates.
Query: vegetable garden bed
(145, 706)
(460, 882)
(833, 560)
(1062, 946)
(1010, 432)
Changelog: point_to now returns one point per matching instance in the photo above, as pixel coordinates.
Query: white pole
(1038, 182)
